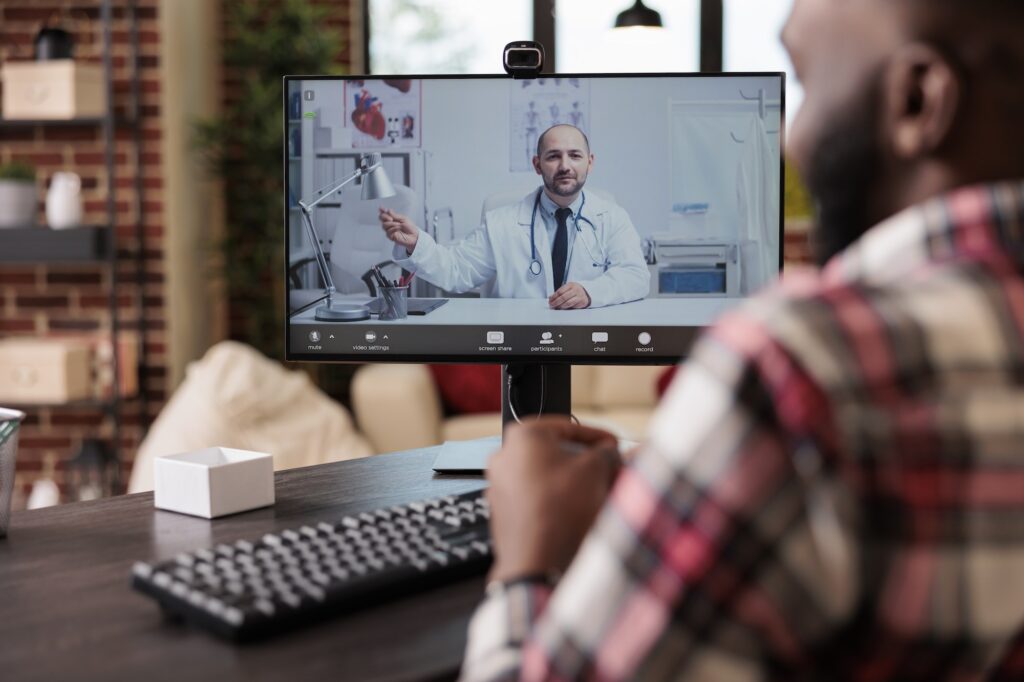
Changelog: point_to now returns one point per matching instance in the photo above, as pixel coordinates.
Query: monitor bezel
(501, 357)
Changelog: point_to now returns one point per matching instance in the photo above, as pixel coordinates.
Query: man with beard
(573, 247)
(833, 487)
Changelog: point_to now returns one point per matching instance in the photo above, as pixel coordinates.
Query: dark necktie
(560, 250)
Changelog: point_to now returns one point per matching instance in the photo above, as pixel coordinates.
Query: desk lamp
(376, 185)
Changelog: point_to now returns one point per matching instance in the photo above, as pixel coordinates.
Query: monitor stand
(535, 389)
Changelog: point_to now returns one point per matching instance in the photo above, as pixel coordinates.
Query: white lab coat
(612, 271)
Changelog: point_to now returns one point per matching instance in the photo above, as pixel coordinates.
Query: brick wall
(49, 300)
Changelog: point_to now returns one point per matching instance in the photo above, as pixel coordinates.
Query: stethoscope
(535, 267)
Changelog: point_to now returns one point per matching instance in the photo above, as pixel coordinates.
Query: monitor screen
(580, 219)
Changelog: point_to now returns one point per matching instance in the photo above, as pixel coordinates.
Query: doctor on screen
(559, 242)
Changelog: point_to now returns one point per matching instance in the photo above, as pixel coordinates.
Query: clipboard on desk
(417, 306)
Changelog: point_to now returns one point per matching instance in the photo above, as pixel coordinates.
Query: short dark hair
(540, 140)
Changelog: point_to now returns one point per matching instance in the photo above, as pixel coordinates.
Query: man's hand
(399, 229)
(571, 295)
(547, 484)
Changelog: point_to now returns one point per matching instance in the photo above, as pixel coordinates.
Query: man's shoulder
(833, 328)
(598, 201)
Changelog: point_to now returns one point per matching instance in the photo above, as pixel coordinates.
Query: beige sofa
(237, 398)
(399, 407)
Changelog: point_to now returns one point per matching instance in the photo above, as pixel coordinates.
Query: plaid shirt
(832, 490)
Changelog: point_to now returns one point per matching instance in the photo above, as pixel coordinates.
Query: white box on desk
(213, 482)
(53, 89)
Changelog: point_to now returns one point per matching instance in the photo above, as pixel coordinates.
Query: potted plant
(17, 194)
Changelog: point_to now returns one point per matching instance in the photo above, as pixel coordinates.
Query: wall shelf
(43, 245)
(24, 123)
(103, 245)
(68, 122)
(103, 405)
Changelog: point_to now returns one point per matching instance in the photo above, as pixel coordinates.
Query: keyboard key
(214, 606)
(234, 616)
(291, 599)
(266, 607)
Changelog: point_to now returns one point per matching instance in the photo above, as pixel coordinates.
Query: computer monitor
(673, 184)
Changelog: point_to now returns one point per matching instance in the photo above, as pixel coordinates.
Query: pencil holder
(10, 420)
(394, 303)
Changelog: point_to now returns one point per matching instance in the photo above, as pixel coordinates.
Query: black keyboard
(251, 589)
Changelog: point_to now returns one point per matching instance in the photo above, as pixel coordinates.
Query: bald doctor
(575, 249)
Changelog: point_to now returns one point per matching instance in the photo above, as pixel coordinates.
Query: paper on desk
(466, 455)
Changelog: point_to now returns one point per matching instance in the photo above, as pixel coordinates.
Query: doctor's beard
(553, 187)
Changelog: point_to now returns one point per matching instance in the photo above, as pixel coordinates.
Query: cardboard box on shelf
(55, 90)
(45, 371)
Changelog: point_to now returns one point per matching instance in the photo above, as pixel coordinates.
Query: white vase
(17, 203)
(64, 201)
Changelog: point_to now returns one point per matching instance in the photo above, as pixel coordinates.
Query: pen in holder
(394, 302)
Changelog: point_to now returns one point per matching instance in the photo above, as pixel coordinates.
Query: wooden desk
(67, 610)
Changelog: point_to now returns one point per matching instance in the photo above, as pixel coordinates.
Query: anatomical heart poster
(384, 113)
(536, 104)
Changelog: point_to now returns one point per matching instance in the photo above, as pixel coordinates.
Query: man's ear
(922, 99)
(536, 164)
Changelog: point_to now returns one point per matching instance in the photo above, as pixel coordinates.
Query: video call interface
(584, 218)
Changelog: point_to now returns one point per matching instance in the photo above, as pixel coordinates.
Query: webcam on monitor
(523, 58)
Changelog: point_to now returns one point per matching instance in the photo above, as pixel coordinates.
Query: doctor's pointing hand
(573, 247)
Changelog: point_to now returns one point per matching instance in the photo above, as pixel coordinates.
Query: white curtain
(757, 197)
(723, 156)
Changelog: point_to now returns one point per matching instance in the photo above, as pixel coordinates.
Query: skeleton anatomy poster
(536, 104)
(383, 113)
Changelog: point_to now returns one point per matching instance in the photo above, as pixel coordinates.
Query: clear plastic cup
(10, 421)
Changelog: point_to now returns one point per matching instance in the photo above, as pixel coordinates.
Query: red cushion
(665, 378)
(469, 389)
